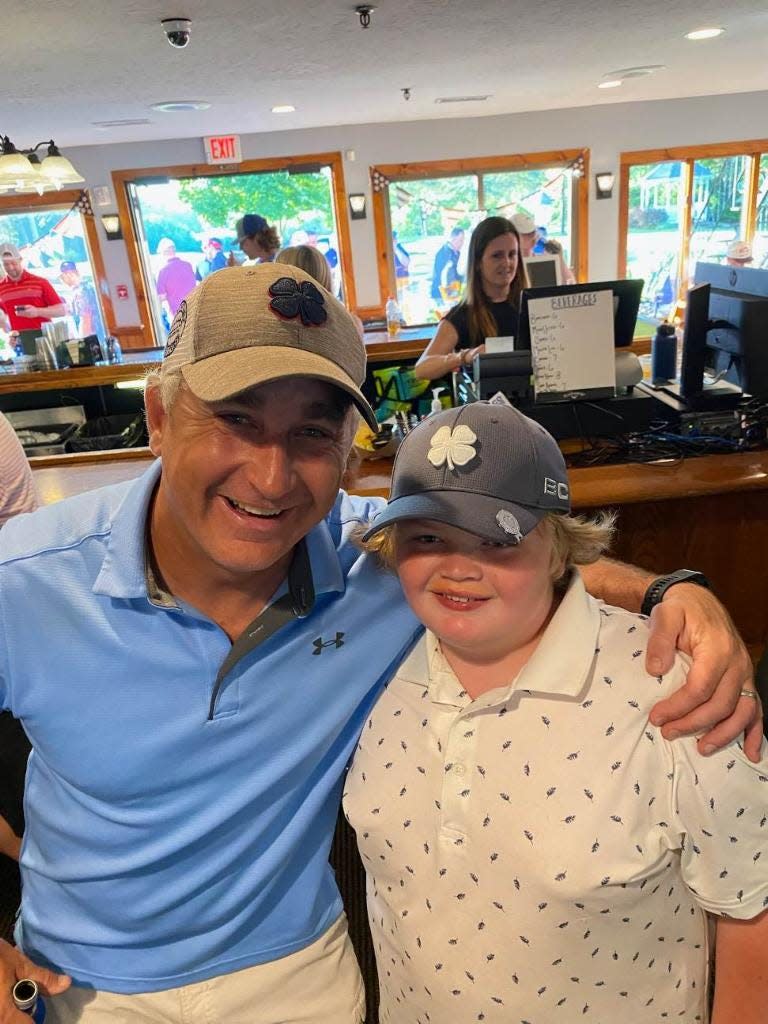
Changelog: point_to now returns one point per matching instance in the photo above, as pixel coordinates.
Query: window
(58, 241)
(425, 214)
(183, 222)
(681, 206)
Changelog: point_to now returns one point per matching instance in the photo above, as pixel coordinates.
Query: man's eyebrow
(332, 410)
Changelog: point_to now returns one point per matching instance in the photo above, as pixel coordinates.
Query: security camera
(177, 31)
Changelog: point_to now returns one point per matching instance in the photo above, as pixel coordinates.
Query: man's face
(168, 252)
(527, 243)
(12, 267)
(457, 241)
(245, 479)
(70, 278)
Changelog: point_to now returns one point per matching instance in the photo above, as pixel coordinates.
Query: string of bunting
(82, 205)
(379, 182)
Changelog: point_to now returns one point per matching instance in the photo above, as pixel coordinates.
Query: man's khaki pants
(318, 985)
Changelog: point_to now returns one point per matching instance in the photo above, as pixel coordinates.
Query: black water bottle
(664, 354)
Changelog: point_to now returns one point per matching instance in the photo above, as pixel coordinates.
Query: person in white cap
(526, 229)
(533, 853)
(193, 654)
(26, 300)
(738, 254)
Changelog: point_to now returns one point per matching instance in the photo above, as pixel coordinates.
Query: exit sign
(222, 149)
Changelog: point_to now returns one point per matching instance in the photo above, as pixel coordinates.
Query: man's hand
(13, 967)
(27, 311)
(693, 620)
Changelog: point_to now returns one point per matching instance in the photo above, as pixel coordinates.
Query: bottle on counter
(393, 315)
(664, 354)
(436, 405)
(114, 351)
(26, 999)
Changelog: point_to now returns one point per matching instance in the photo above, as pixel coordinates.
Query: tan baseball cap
(739, 250)
(524, 224)
(244, 326)
(8, 249)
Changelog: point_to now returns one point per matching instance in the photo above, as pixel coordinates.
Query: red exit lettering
(223, 149)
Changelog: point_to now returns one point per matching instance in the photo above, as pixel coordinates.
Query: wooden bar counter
(709, 513)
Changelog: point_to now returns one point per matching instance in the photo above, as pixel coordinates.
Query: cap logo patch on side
(291, 299)
(452, 446)
(177, 329)
(509, 524)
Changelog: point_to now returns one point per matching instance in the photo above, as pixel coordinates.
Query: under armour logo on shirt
(319, 643)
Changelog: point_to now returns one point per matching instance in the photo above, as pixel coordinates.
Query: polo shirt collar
(561, 664)
(123, 574)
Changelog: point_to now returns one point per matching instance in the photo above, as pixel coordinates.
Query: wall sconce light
(111, 224)
(357, 205)
(604, 184)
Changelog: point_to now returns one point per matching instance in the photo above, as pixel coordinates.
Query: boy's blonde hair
(576, 540)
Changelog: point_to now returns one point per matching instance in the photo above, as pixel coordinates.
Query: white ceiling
(69, 63)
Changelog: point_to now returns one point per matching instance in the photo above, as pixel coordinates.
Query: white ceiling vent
(121, 122)
(462, 99)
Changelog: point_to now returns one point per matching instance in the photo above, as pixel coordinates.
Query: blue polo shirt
(163, 848)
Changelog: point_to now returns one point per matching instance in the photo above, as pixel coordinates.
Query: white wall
(606, 130)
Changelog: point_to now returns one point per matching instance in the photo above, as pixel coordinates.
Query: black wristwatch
(660, 586)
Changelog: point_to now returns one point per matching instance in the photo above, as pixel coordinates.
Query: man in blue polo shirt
(193, 655)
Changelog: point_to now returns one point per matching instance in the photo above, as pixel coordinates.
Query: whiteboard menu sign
(572, 346)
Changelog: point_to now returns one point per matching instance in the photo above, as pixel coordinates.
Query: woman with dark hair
(495, 280)
(258, 240)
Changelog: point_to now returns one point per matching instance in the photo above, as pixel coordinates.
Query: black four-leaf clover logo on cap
(177, 328)
(298, 298)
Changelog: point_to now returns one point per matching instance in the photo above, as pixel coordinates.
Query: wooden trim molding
(478, 165)
(121, 179)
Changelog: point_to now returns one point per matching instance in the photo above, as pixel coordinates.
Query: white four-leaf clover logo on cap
(452, 446)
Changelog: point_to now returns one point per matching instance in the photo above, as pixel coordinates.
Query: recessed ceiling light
(609, 83)
(285, 108)
(704, 33)
(177, 106)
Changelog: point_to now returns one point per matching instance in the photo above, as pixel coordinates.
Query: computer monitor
(626, 303)
(737, 338)
(694, 354)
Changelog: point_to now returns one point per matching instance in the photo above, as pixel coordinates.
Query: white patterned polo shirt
(541, 854)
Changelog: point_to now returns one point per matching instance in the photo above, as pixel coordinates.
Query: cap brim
(228, 373)
(479, 514)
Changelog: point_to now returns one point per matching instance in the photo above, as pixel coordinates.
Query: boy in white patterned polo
(535, 851)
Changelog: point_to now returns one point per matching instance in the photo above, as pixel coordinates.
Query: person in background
(495, 280)
(213, 643)
(176, 277)
(258, 240)
(562, 857)
(83, 304)
(402, 257)
(26, 300)
(554, 248)
(738, 254)
(213, 258)
(527, 233)
(312, 262)
(17, 494)
(445, 270)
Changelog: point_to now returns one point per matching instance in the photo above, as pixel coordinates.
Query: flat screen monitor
(737, 336)
(695, 342)
(626, 303)
(543, 271)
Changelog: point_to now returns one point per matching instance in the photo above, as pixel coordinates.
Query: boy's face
(482, 600)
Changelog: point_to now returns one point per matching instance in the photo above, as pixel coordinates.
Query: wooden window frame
(687, 155)
(475, 165)
(122, 178)
(68, 197)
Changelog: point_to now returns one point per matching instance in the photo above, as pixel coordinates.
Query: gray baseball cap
(244, 326)
(484, 468)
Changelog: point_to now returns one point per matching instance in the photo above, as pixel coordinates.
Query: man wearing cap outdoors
(738, 254)
(175, 279)
(83, 304)
(526, 229)
(213, 258)
(213, 642)
(26, 299)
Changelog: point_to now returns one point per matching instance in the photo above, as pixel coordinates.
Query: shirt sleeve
(50, 296)
(721, 807)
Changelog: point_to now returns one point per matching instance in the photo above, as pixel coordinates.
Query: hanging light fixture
(21, 170)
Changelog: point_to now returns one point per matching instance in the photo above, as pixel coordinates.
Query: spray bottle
(437, 405)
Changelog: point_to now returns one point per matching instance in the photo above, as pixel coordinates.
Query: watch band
(660, 586)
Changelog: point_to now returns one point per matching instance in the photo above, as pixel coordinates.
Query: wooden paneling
(133, 338)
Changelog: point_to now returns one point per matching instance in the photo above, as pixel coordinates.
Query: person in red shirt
(26, 299)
